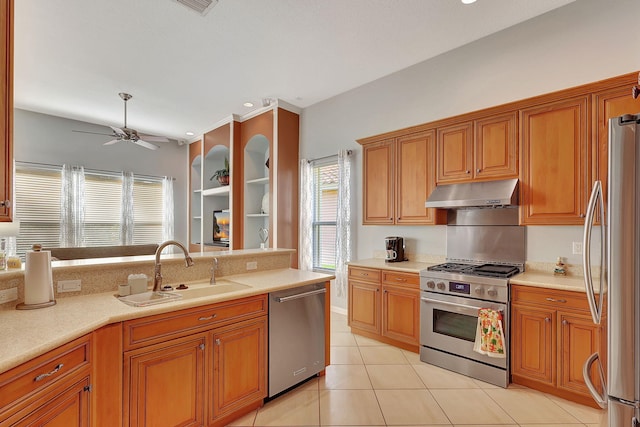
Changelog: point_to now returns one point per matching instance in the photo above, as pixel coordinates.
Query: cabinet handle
(556, 300)
(201, 346)
(218, 341)
(48, 374)
(546, 319)
(400, 279)
(213, 316)
(5, 203)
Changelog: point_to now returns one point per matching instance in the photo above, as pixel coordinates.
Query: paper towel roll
(38, 282)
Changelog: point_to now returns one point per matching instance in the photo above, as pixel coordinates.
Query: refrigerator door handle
(601, 399)
(594, 200)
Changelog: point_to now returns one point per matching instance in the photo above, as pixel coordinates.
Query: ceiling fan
(130, 135)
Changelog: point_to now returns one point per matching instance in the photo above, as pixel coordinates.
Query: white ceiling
(186, 72)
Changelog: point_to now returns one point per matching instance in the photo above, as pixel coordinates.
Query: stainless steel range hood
(500, 193)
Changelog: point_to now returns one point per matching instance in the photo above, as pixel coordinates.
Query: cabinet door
(377, 184)
(579, 339)
(554, 140)
(415, 178)
(165, 383)
(400, 315)
(455, 153)
(607, 104)
(364, 306)
(496, 147)
(239, 366)
(69, 408)
(6, 108)
(533, 343)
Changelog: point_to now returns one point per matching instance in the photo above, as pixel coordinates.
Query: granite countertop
(30, 333)
(537, 278)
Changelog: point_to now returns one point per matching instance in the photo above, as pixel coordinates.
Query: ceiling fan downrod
(125, 97)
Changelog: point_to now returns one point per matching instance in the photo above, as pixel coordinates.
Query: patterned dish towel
(489, 334)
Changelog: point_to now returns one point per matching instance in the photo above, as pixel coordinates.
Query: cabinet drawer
(364, 274)
(549, 297)
(402, 279)
(21, 383)
(154, 329)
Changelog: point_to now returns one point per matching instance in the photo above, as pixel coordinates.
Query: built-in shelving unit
(256, 188)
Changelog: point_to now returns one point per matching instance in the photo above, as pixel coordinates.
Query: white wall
(583, 42)
(49, 139)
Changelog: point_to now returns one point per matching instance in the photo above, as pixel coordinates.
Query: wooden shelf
(257, 215)
(217, 191)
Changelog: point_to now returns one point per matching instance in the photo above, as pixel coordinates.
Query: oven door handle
(455, 304)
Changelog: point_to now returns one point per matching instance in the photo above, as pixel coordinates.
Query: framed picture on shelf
(221, 220)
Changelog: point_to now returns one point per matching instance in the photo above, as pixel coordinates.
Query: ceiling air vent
(201, 6)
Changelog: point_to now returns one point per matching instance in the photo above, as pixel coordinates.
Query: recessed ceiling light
(248, 104)
(190, 133)
(468, 1)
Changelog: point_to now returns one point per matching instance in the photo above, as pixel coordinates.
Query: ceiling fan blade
(145, 144)
(113, 141)
(118, 131)
(93, 133)
(153, 138)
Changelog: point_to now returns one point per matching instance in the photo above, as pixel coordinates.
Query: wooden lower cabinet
(552, 335)
(166, 383)
(201, 366)
(384, 305)
(49, 390)
(239, 367)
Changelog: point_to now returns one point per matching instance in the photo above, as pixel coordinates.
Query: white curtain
(167, 209)
(72, 207)
(343, 221)
(127, 219)
(305, 245)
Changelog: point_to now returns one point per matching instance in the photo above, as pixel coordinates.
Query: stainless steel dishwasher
(296, 335)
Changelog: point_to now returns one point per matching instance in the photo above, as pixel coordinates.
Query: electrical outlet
(69, 285)
(8, 295)
(577, 248)
(253, 265)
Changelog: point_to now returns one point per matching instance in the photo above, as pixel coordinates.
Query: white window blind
(37, 202)
(325, 184)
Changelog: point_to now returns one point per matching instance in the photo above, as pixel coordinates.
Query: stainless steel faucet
(214, 267)
(157, 277)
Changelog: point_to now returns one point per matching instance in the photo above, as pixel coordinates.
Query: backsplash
(104, 275)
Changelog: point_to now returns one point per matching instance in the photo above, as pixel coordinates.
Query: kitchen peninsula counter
(30, 333)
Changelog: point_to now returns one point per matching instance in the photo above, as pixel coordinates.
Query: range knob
(492, 291)
(431, 284)
(479, 290)
(441, 286)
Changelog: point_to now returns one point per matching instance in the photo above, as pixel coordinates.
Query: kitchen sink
(149, 298)
(205, 290)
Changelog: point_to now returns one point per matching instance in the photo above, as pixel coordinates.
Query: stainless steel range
(485, 247)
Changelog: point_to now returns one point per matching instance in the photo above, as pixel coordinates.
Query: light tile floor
(373, 384)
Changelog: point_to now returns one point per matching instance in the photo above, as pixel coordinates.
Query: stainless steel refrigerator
(612, 268)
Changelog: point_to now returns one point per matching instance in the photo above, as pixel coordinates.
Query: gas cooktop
(486, 270)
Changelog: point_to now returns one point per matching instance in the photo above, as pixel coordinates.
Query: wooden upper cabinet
(6, 108)
(455, 152)
(554, 160)
(496, 147)
(607, 104)
(482, 149)
(378, 183)
(415, 178)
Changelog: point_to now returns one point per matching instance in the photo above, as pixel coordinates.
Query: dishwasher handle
(301, 295)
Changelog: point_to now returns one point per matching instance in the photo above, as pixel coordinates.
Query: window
(37, 202)
(325, 208)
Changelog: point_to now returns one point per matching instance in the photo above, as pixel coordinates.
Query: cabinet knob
(564, 322)
(218, 341)
(478, 170)
(201, 346)
(581, 215)
(5, 203)
(467, 172)
(546, 319)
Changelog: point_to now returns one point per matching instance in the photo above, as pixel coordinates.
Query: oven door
(449, 323)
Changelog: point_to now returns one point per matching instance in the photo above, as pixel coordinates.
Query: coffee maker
(394, 249)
